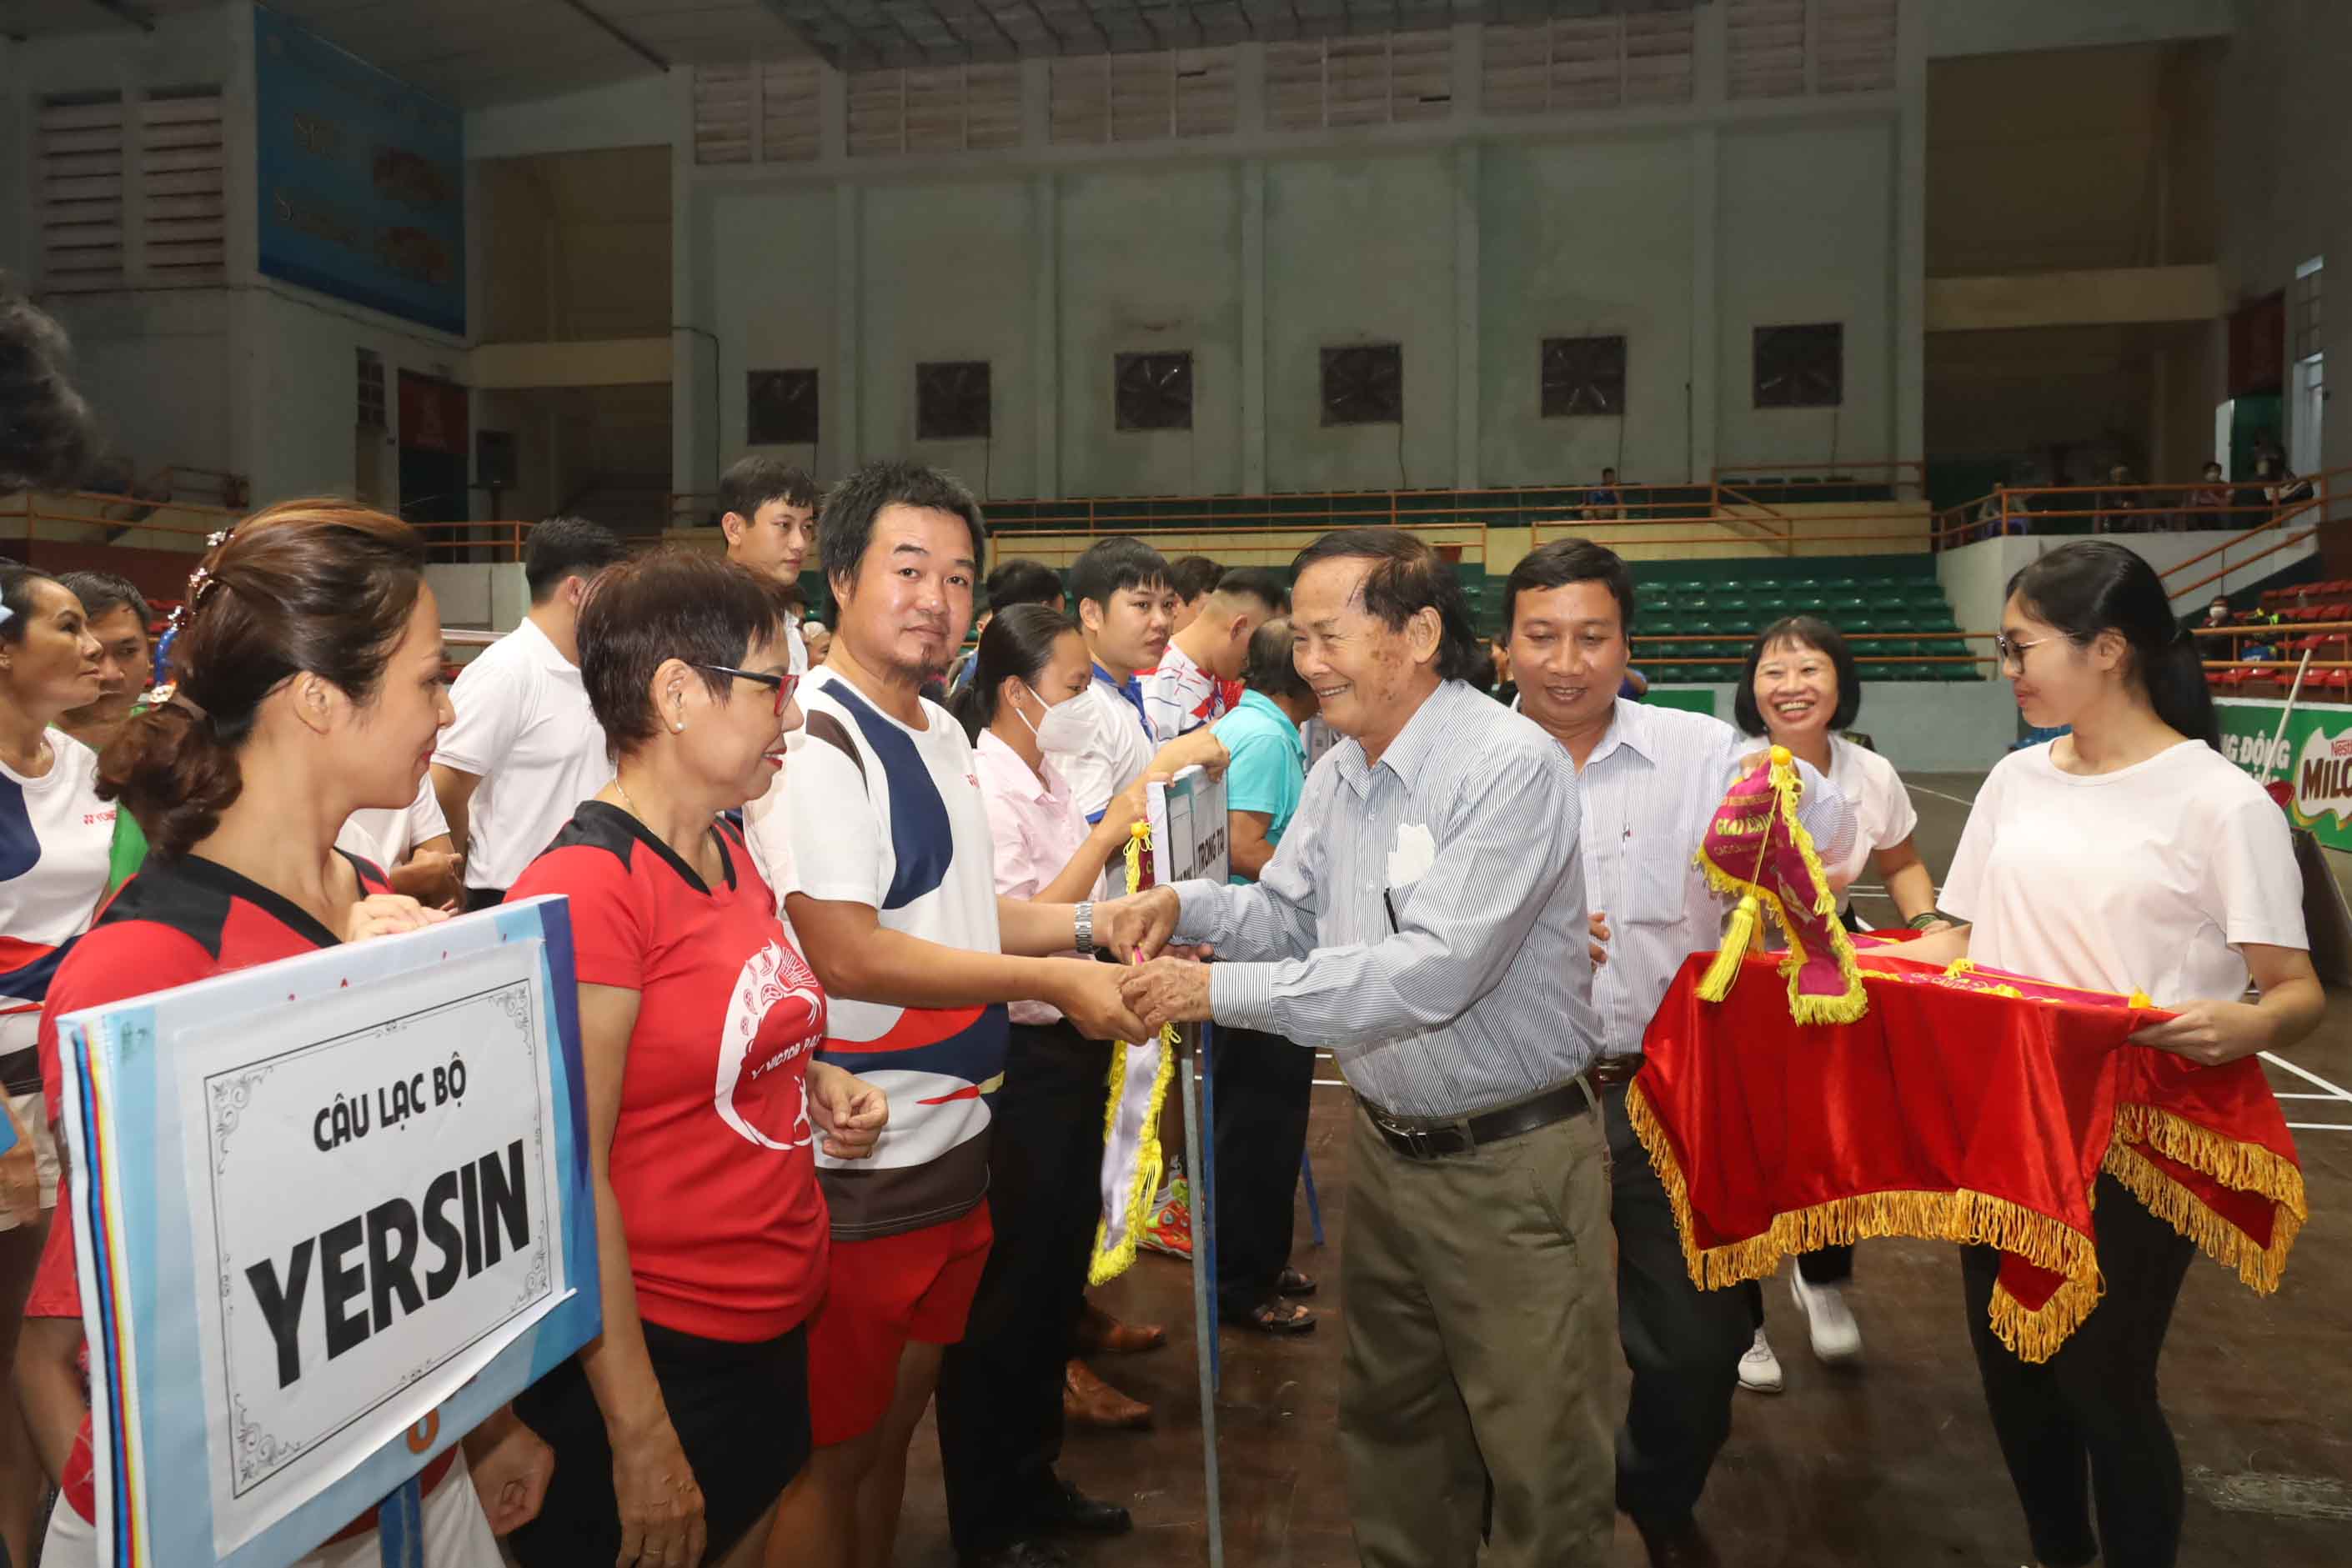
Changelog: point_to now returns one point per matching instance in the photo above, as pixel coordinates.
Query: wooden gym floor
(1893, 1463)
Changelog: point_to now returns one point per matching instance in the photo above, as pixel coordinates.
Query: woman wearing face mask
(2126, 855)
(54, 831)
(1800, 689)
(1046, 1159)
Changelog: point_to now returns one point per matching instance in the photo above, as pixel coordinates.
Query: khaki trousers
(1481, 1322)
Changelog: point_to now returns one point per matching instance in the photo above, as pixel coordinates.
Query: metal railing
(2021, 509)
(1820, 480)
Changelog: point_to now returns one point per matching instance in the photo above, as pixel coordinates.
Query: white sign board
(325, 1198)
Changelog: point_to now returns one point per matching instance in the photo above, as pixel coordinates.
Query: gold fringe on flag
(1110, 1261)
(2239, 1166)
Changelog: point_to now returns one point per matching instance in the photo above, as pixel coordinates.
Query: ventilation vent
(1379, 80)
(1100, 99)
(79, 167)
(1853, 46)
(183, 213)
(765, 114)
(1588, 63)
(934, 109)
(1765, 44)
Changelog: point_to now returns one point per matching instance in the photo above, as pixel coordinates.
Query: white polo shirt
(524, 727)
(1119, 744)
(385, 834)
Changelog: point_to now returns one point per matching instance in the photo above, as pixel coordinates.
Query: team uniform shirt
(1120, 744)
(1883, 812)
(1036, 831)
(176, 922)
(1267, 771)
(55, 838)
(892, 817)
(713, 1160)
(1180, 696)
(2150, 878)
(384, 835)
(525, 729)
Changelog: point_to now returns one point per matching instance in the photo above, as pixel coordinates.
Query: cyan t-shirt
(1268, 770)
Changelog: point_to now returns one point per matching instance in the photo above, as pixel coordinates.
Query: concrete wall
(1976, 577)
(2005, 27)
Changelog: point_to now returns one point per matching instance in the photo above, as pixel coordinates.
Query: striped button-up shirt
(1648, 791)
(1423, 916)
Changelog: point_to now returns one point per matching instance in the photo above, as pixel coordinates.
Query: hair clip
(6, 615)
(168, 695)
(217, 537)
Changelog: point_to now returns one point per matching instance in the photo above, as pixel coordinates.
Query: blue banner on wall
(361, 180)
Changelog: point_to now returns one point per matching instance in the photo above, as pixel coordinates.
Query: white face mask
(1061, 730)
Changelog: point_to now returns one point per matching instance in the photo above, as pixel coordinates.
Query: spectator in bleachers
(116, 614)
(1605, 502)
(2282, 488)
(2218, 612)
(1801, 689)
(2208, 505)
(2119, 508)
(1194, 577)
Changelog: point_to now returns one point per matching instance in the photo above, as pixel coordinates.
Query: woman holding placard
(306, 684)
(678, 1428)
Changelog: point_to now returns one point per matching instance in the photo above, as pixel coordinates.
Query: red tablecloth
(1967, 1107)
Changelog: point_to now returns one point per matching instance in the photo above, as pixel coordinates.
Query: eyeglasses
(783, 686)
(2012, 653)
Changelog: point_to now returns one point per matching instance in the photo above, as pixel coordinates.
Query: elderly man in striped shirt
(1424, 916)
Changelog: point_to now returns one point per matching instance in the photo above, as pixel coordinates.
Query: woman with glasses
(2126, 855)
(676, 1431)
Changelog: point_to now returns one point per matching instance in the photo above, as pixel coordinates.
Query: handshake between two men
(1152, 985)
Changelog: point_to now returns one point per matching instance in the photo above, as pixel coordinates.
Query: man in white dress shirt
(1649, 779)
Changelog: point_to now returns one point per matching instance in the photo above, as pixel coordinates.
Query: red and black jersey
(712, 1159)
(174, 922)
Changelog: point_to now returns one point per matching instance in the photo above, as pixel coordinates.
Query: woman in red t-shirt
(306, 686)
(677, 1429)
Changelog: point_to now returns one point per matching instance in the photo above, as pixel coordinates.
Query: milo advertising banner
(2315, 755)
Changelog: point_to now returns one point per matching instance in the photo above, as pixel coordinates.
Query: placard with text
(329, 1214)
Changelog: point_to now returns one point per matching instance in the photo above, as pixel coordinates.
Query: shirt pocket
(1654, 865)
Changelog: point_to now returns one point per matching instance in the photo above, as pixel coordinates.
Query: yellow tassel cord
(1110, 1262)
(1963, 1217)
(2242, 1168)
(1853, 1002)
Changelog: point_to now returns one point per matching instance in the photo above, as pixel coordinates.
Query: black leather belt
(1429, 1138)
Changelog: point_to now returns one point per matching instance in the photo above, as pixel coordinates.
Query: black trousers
(480, 898)
(1683, 1343)
(1821, 1266)
(1000, 1399)
(2086, 1426)
(1261, 1084)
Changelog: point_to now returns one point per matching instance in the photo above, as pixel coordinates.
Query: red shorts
(879, 1296)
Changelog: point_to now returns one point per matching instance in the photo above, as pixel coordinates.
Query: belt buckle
(1416, 1139)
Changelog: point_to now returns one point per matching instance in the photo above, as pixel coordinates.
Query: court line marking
(2320, 1126)
(2284, 1095)
(2308, 1075)
(1939, 794)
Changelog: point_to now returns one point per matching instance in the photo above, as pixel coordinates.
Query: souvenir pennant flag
(1755, 847)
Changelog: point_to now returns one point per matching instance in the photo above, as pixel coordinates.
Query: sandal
(1275, 1318)
(1291, 1283)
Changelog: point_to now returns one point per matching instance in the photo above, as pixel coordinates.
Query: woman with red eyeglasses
(678, 1428)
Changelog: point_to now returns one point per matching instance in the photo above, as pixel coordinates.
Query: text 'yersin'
(374, 1255)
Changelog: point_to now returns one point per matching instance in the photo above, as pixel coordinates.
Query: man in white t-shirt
(879, 847)
(768, 512)
(526, 747)
(411, 845)
(1194, 683)
(1126, 605)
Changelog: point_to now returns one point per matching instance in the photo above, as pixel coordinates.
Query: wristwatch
(1921, 922)
(1083, 921)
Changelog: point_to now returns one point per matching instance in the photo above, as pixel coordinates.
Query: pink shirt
(1037, 828)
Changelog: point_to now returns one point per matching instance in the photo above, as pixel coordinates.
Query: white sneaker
(1760, 1369)
(1836, 1337)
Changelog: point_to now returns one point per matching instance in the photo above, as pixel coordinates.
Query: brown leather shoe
(1090, 1402)
(1098, 1329)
